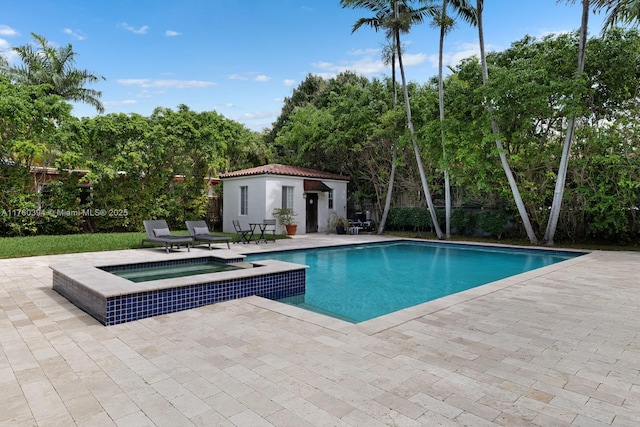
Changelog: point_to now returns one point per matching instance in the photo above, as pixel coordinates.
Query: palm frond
(45, 64)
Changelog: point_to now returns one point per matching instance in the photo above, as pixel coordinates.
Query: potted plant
(285, 219)
(340, 223)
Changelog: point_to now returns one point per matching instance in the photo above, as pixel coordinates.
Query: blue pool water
(358, 283)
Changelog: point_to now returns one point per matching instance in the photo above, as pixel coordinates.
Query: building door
(312, 213)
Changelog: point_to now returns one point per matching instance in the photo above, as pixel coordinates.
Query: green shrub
(61, 206)
(19, 217)
(493, 223)
(409, 219)
(462, 220)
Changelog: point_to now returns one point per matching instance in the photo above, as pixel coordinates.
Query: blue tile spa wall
(125, 308)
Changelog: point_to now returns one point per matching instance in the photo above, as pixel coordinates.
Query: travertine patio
(555, 346)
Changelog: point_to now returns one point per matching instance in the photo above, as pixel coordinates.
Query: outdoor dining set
(257, 231)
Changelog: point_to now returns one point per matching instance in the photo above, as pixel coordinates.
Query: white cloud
(366, 62)
(237, 77)
(460, 51)
(361, 52)
(257, 121)
(367, 66)
(289, 82)
(171, 33)
(7, 52)
(141, 30)
(6, 30)
(178, 84)
(77, 34)
(115, 104)
(131, 82)
(249, 75)
(144, 94)
(413, 59)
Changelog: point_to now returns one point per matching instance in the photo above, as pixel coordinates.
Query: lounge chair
(199, 232)
(242, 235)
(158, 233)
(269, 229)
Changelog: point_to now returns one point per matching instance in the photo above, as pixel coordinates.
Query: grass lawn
(14, 247)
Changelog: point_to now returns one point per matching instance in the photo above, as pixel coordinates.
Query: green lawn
(15, 247)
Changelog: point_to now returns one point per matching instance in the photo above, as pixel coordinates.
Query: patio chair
(242, 234)
(199, 232)
(158, 233)
(269, 228)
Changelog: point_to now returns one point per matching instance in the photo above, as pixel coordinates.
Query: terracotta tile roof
(276, 169)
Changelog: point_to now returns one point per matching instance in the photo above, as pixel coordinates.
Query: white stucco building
(251, 195)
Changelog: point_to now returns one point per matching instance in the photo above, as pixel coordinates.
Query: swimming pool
(358, 283)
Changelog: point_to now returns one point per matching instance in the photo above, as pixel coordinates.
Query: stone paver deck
(556, 346)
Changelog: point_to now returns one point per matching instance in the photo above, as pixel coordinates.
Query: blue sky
(241, 58)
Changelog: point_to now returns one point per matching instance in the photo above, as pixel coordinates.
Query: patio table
(261, 228)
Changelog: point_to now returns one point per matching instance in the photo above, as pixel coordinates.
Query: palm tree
(396, 17)
(467, 12)
(494, 128)
(624, 11)
(55, 67)
(558, 192)
(619, 11)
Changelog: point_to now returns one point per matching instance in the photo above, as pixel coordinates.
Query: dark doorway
(312, 213)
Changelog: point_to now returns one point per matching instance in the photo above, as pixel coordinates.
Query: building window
(330, 197)
(287, 197)
(244, 200)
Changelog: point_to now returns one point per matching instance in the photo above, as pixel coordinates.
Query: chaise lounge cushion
(158, 233)
(161, 232)
(200, 231)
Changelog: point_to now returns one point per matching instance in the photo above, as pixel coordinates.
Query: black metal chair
(269, 228)
(242, 235)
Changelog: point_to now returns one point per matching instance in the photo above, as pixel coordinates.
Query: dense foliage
(119, 169)
(116, 170)
(347, 124)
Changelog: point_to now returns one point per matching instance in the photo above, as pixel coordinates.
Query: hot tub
(112, 299)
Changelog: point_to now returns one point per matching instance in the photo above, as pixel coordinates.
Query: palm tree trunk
(494, 128)
(416, 150)
(447, 184)
(387, 202)
(558, 193)
(394, 155)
